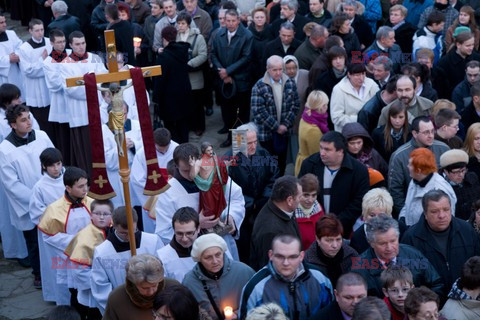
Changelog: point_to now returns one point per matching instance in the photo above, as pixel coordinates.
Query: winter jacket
(197, 57)
(421, 107)
(394, 53)
(378, 138)
(271, 221)
(324, 20)
(66, 23)
(372, 158)
(370, 112)
(300, 298)
(306, 224)
(306, 54)
(351, 42)
(260, 40)
(123, 39)
(140, 12)
(363, 32)
(413, 202)
(424, 38)
(428, 91)
(326, 81)
(309, 136)
(450, 15)
(398, 174)
(372, 13)
(469, 116)
(463, 243)
(234, 57)
(225, 289)
(461, 95)
(415, 9)
(424, 274)
(347, 190)
(298, 22)
(467, 193)
(345, 102)
(275, 47)
(264, 111)
(404, 32)
(460, 305)
(202, 21)
(98, 22)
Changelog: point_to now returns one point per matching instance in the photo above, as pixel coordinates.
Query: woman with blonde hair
(312, 126)
(472, 147)
(269, 311)
(423, 170)
(466, 18)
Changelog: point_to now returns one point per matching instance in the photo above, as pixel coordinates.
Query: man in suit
(288, 12)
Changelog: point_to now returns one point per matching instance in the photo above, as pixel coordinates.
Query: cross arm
(116, 76)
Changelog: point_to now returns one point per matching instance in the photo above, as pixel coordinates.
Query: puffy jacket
(424, 274)
(309, 292)
(463, 243)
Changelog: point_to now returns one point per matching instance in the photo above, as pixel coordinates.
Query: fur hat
(456, 157)
(207, 241)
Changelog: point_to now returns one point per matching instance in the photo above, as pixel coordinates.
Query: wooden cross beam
(116, 76)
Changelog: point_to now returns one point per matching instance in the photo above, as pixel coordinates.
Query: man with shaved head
(274, 105)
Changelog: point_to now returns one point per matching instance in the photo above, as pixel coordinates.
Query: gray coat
(226, 290)
(199, 54)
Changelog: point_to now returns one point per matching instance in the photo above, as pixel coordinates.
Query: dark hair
(391, 85)
(309, 183)
(171, 167)
(13, 112)
(335, 52)
(106, 202)
(475, 90)
(396, 108)
(49, 157)
(284, 187)
(227, 5)
(470, 278)
(184, 151)
(72, 175)
(475, 207)
(111, 10)
(162, 137)
(371, 308)
(416, 297)
(75, 34)
(445, 117)
(63, 312)
(433, 195)
(169, 33)
(185, 215)
(473, 63)
(354, 68)
(331, 41)
(394, 273)
(184, 16)
(417, 120)
(8, 93)
(232, 12)
(417, 69)
(339, 141)
(436, 17)
(179, 301)
(337, 21)
(120, 217)
(33, 23)
(55, 33)
(328, 226)
(350, 279)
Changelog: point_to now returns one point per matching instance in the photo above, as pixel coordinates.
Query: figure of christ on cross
(101, 189)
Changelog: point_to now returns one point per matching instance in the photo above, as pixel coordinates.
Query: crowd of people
(355, 195)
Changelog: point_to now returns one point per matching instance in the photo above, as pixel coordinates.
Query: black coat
(260, 40)
(469, 116)
(271, 221)
(351, 44)
(324, 20)
(275, 47)
(463, 243)
(123, 40)
(326, 81)
(330, 312)
(299, 22)
(66, 23)
(450, 71)
(474, 165)
(404, 35)
(467, 193)
(347, 191)
(379, 142)
(424, 274)
(172, 89)
(363, 31)
(429, 92)
(370, 112)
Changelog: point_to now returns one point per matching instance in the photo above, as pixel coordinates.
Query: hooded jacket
(368, 155)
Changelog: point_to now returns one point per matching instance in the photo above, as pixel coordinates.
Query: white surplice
(53, 79)
(174, 267)
(10, 72)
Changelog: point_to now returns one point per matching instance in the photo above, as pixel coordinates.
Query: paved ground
(18, 298)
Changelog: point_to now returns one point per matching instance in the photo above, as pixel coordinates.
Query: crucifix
(155, 184)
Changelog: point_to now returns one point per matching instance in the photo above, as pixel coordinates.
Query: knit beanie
(207, 241)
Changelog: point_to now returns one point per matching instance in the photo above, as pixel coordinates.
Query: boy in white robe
(47, 190)
(32, 53)
(183, 192)
(110, 257)
(164, 146)
(61, 221)
(19, 171)
(9, 59)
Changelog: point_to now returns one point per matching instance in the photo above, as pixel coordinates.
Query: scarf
(339, 74)
(334, 264)
(18, 141)
(137, 299)
(441, 6)
(396, 135)
(76, 57)
(458, 294)
(364, 157)
(424, 182)
(318, 119)
(58, 56)
(181, 251)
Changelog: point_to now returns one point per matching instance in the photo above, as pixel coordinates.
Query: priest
(110, 257)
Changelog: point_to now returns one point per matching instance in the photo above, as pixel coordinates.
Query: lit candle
(137, 41)
(228, 312)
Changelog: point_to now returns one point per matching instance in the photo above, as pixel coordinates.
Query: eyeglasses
(102, 214)
(188, 234)
(455, 127)
(429, 315)
(459, 171)
(427, 132)
(283, 258)
(159, 315)
(396, 292)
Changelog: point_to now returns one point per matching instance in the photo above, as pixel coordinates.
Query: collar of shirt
(291, 20)
(414, 101)
(273, 81)
(358, 92)
(37, 41)
(172, 20)
(385, 263)
(381, 47)
(289, 214)
(320, 14)
(231, 34)
(345, 316)
(419, 89)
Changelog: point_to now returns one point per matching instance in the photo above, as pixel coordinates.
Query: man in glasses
(288, 282)
(423, 133)
(110, 257)
(175, 256)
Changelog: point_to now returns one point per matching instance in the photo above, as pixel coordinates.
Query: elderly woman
(423, 170)
(329, 252)
(134, 299)
(422, 303)
(375, 202)
(216, 281)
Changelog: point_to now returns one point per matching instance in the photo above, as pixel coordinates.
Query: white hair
(60, 7)
(250, 126)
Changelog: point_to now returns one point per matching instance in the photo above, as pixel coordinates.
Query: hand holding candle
(228, 312)
(137, 41)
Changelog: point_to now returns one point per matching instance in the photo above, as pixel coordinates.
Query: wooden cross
(116, 76)
(100, 181)
(154, 176)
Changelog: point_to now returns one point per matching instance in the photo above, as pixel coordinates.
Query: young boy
(80, 252)
(396, 281)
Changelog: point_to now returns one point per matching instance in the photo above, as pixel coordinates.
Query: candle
(228, 312)
(137, 41)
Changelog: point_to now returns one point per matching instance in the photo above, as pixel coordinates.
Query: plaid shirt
(450, 15)
(264, 111)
